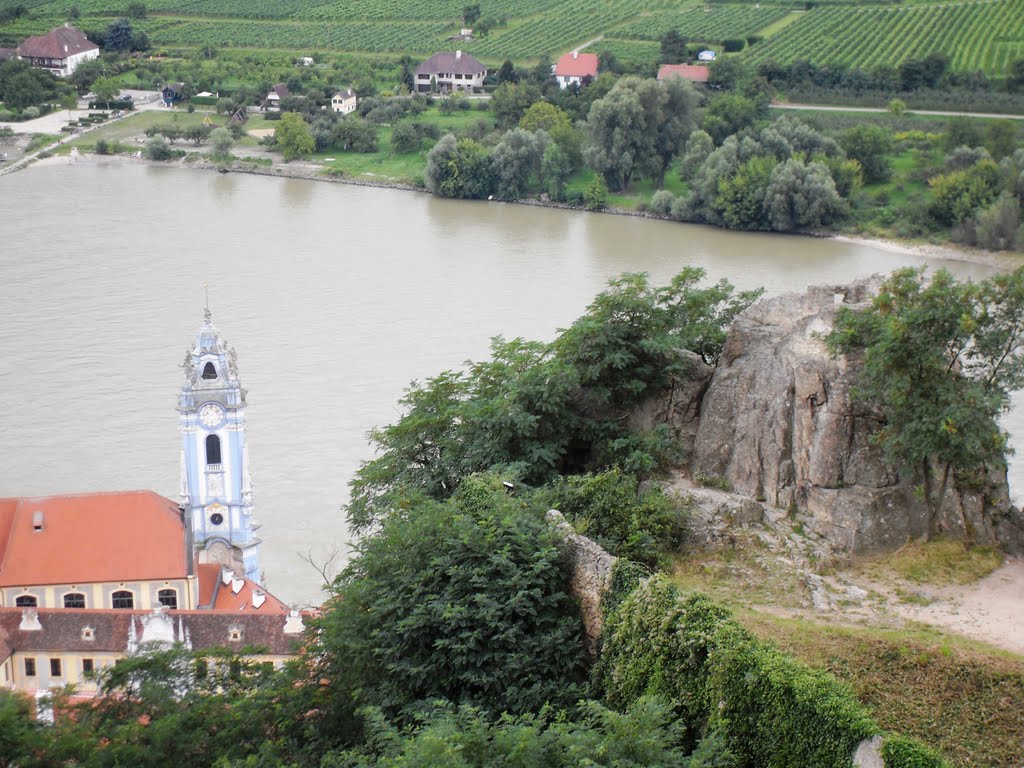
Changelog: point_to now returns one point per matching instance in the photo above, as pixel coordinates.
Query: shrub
(661, 202)
(102, 147)
(610, 509)
(596, 195)
(901, 752)
(769, 709)
(733, 45)
(158, 148)
(30, 113)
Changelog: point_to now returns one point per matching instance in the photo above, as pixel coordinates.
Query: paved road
(53, 122)
(937, 113)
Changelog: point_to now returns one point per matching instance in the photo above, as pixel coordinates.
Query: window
(212, 450)
(209, 372)
(30, 667)
(26, 601)
(168, 597)
(86, 666)
(55, 670)
(122, 599)
(74, 600)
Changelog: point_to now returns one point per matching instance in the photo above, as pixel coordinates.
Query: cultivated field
(985, 35)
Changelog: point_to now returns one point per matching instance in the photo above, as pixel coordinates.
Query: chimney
(458, 54)
(575, 54)
(37, 521)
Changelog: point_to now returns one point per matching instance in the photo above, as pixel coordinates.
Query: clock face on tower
(211, 415)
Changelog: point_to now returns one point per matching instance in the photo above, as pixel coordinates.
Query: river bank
(308, 171)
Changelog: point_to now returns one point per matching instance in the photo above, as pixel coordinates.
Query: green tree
(136, 10)
(957, 196)
(940, 359)
(293, 136)
(516, 157)
(728, 113)
(470, 14)
(23, 90)
(555, 169)
(85, 74)
(105, 90)
(870, 145)
(118, 36)
(69, 102)
(544, 116)
(639, 127)
(1001, 138)
(222, 141)
(801, 196)
(21, 736)
(698, 147)
(459, 168)
(510, 101)
(673, 48)
(740, 200)
(465, 600)
(507, 73)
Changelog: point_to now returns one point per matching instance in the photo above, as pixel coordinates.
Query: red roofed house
(60, 50)
(692, 72)
(86, 579)
(574, 67)
(455, 71)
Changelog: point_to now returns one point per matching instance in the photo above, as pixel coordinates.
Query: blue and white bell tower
(216, 492)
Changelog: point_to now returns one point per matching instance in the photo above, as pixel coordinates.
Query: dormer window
(234, 634)
(209, 372)
(212, 450)
(88, 633)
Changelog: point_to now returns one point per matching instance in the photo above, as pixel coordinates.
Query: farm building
(574, 68)
(172, 93)
(455, 71)
(706, 56)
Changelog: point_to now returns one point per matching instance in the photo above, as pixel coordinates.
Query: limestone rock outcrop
(591, 576)
(776, 423)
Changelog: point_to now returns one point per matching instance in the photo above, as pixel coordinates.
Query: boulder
(777, 424)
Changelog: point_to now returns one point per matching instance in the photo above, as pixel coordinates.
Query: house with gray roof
(449, 71)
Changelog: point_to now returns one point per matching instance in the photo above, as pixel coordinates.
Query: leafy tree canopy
(465, 600)
(940, 359)
(539, 410)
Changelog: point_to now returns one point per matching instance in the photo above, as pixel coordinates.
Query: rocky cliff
(775, 422)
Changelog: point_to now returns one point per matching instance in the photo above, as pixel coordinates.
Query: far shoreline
(306, 171)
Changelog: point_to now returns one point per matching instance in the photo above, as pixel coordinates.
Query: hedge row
(773, 711)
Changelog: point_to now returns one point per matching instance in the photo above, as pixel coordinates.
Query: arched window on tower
(209, 372)
(212, 450)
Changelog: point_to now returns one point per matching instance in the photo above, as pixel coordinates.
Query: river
(335, 296)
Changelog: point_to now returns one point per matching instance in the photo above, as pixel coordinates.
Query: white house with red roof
(575, 68)
(60, 50)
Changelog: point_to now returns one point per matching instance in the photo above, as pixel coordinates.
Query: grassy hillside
(987, 35)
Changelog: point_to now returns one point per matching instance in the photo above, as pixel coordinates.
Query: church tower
(216, 492)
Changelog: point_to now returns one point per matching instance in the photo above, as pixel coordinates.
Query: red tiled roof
(691, 72)
(59, 43)
(215, 594)
(129, 536)
(582, 65)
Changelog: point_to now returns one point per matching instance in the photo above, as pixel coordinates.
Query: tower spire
(206, 310)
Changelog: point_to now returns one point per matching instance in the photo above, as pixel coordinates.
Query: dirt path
(991, 610)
